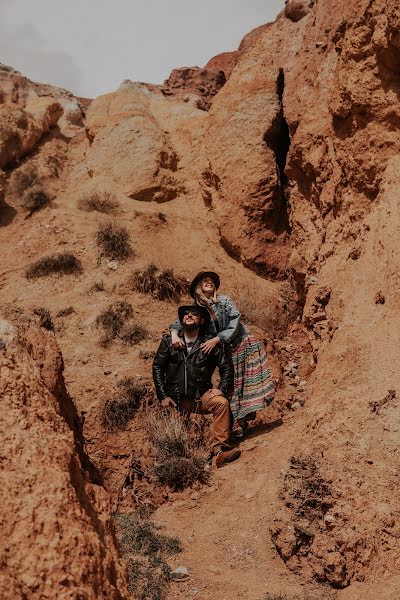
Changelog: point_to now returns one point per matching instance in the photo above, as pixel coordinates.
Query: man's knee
(221, 403)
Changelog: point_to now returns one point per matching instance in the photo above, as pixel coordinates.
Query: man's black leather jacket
(180, 375)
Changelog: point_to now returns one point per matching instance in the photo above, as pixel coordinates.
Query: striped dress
(253, 388)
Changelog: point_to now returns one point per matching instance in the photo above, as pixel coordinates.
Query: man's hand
(210, 344)
(177, 342)
(168, 403)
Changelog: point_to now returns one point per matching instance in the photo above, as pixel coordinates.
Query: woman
(253, 389)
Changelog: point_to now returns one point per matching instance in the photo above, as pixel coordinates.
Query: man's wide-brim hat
(203, 311)
(202, 275)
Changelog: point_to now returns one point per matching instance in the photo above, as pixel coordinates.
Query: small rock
(321, 45)
(112, 265)
(179, 573)
(329, 519)
(313, 280)
(2, 345)
(296, 405)
(370, 461)
(107, 371)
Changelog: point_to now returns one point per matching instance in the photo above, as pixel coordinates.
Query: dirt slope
(284, 178)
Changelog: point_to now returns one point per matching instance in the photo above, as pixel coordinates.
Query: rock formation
(276, 164)
(55, 528)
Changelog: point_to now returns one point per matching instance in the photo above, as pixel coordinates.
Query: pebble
(107, 371)
(179, 573)
(295, 405)
(313, 279)
(370, 461)
(2, 345)
(112, 265)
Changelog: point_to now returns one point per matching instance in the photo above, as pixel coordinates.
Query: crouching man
(182, 378)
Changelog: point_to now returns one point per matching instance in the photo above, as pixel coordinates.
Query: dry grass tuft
(180, 454)
(23, 179)
(114, 241)
(145, 549)
(102, 202)
(45, 319)
(66, 311)
(34, 199)
(161, 285)
(61, 264)
(98, 286)
(129, 397)
(114, 321)
(133, 333)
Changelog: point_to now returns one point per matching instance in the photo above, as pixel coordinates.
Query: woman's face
(207, 286)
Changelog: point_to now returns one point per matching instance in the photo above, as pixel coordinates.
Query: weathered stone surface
(21, 130)
(54, 537)
(129, 147)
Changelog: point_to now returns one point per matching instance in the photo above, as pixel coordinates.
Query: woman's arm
(233, 315)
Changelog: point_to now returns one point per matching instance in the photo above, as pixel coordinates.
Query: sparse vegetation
(102, 202)
(66, 311)
(61, 264)
(34, 199)
(113, 241)
(133, 333)
(145, 548)
(130, 395)
(161, 285)
(45, 319)
(180, 454)
(114, 323)
(98, 286)
(24, 179)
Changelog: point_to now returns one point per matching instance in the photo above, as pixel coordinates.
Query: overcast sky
(90, 46)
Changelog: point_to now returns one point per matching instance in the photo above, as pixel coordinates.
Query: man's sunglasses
(192, 311)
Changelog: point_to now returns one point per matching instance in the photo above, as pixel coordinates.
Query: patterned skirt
(253, 389)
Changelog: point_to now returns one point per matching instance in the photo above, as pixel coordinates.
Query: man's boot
(226, 456)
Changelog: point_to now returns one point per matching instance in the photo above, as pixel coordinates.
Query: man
(182, 378)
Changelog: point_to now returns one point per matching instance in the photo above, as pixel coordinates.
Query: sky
(90, 46)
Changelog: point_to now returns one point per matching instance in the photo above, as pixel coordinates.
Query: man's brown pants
(213, 402)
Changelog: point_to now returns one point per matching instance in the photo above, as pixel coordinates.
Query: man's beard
(190, 327)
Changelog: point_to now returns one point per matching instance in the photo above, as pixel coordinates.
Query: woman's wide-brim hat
(202, 275)
(203, 311)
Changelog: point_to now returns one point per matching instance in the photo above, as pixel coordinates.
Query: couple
(209, 334)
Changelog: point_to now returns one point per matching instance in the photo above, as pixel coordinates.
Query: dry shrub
(130, 395)
(98, 286)
(145, 548)
(45, 319)
(102, 202)
(273, 317)
(66, 311)
(113, 319)
(61, 264)
(114, 241)
(180, 453)
(23, 179)
(160, 284)
(34, 199)
(133, 333)
(114, 323)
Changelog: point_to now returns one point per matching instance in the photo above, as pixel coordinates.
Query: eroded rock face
(204, 83)
(54, 541)
(129, 147)
(22, 129)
